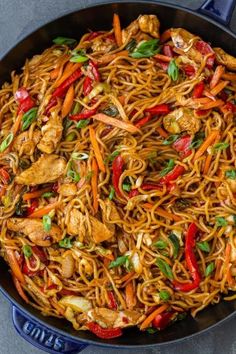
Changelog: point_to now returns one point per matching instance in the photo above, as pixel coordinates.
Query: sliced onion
(77, 303)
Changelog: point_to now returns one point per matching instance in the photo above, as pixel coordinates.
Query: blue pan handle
(220, 10)
(43, 338)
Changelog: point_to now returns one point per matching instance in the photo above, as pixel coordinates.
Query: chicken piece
(33, 228)
(112, 319)
(51, 134)
(67, 266)
(102, 45)
(23, 144)
(181, 119)
(149, 24)
(76, 224)
(48, 168)
(101, 232)
(67, 189)
(183, 41)
(145, 23)
(225, 59)
(109, 211)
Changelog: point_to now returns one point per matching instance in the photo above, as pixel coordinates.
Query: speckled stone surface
(17, 19)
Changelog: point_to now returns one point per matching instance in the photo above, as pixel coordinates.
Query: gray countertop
(17, 19)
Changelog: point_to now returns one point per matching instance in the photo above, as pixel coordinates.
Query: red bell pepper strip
(167, 50)
(172, 175)
(229, 106)
(182, 145)
(159, 109)
(26, 270)
(163, 64)
(87, 86)
(104, 333)
(151, 186)
(62, 89)
(189, 70)
(39, 251)
(141, 122)
(202, 112)
(4, 175)
(52, 102)
(92, 35)
(24, 100)
(87, 113)
(133, 193)
(117, 169)
(32, 207)
(204, 48)
(94, 70)
(162, 320)
(65, 292)
(112, 301)
(198, 90)
(190, 261)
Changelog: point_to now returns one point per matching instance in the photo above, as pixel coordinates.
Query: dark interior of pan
(100, 18)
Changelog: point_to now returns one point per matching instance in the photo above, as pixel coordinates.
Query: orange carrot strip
(69, 70)
(202, 100)
(17, 123)
(20, 289)
(151, 317)
(162, 57)
(45, 210)
(115, 122)
(212, 104)
(96, 149)
(35, 194)
(227, 264)
(218, 269)
(117, 29)
(130, 296)
(105, 59)
(217, 76)
(11, 257)
(162, 212)
(165, 36)
(54, 73)
(68, 102)
(207, 164)
(121, 100)
(229, 76)
(94, 184)
(126, 277)
(219, 87)
(162, 132)
(59, 66)
(208, 141)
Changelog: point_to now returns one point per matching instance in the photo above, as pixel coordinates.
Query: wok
(211, 22)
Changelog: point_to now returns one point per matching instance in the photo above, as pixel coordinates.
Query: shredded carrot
(94, 184)
(121, 100)
(216, 76)
(126, 277)
(68, 102)
(96, 149)
(162, 132)
(44, 211)
(117, 29)
(105, 59)
(202, 100)
(130, 297)
(69, 70)
(20, 289)
(162, 57)
(59, 67)
(229, 76)
(17, 123)
(218, 269)
(219, 87)
(213, 104)
(14, 265)
(162, 212)
(208, 141)
(35, 194)
(116, 122)
(151, 317)
(54, 73)
(227, 264)
(165, 36)
(207, 164)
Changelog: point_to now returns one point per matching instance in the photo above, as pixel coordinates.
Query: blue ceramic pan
(211, 22)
